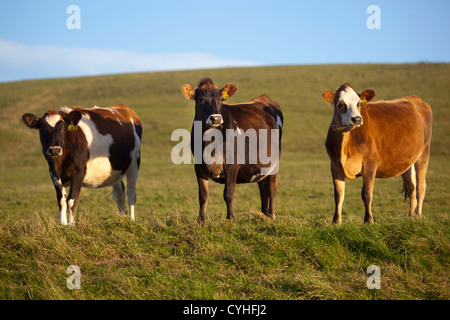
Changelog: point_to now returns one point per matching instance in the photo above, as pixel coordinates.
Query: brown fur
(259, 113)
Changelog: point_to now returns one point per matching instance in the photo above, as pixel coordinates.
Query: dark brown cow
(247, 132)
(93, 148)
(380, 139)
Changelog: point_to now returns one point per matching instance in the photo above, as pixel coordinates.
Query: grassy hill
(166, 255)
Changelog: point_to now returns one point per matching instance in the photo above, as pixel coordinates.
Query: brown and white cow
(247, 132)
(380, 139)
(95, 147)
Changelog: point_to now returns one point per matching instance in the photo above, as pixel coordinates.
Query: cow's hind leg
(409, 186)
(132, 175)
(367, 193)
(421, 167)
(267, 190)
(119, 195)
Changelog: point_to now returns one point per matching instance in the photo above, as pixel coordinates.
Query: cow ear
(188, 91)
(73, 117)
(30, 120)
(367, 95)
(328, 95)
(228, 91)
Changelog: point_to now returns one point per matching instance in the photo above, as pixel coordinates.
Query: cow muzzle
(357, 121)
(54, 152)
(214, 120)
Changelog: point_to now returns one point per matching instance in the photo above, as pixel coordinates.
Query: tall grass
(254, 258)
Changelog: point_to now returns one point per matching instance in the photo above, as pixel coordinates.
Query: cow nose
(215, 120)
(54, 151)
(357, 120)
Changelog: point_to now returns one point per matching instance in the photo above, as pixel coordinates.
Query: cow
(379, 139)
(90, 147)
(254, 120)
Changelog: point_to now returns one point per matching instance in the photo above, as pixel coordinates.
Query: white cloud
(21, 61)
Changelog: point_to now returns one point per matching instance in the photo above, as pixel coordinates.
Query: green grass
(165, 254)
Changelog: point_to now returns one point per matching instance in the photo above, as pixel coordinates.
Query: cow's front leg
(61, 198)
(72, 199)
(230, 185)
(339, 194)
(203, 195)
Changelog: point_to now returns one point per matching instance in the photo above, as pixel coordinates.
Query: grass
(166, 255)
(175, 258)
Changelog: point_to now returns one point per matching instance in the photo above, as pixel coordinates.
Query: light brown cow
(380, 139)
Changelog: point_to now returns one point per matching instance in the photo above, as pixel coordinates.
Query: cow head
(53, 127)
(208, 100)
(347, 104)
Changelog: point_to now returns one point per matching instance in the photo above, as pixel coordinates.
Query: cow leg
(267, 190)
(61, 197)
(228, 192)
(409, 180)
(203, 195)
(421, 167)
(132, 175)
(367, 193)
(339, 194)
(119, 195)
(264, 193)
(72, 199)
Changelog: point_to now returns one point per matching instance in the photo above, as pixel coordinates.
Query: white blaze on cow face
(351, 99)
(53, 120)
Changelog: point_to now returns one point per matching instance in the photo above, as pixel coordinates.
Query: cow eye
(342, 106)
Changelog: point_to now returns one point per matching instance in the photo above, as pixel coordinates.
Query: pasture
(165, 254)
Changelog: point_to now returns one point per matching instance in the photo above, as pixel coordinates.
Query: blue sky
(140, 36)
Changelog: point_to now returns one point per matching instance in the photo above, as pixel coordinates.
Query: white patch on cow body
(53, 120)
(99, 172)
(351, 99)
(107, 109)
(273, 169)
